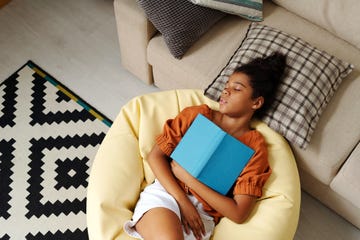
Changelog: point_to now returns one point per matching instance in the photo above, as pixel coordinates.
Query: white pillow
(249, 9)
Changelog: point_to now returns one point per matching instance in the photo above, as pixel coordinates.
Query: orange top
(253, 176)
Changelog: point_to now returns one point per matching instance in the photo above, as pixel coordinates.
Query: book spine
(210, 151)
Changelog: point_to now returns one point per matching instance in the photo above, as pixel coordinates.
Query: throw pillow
(180, 22)
(249, 9)
(311, 78)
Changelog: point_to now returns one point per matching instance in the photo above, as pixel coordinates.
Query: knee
(160, 224)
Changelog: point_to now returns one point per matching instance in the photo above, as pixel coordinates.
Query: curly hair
(265, 74)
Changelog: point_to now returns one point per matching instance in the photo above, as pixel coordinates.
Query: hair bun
(275, 63)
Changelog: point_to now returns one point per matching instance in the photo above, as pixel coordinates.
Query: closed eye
(237, 87)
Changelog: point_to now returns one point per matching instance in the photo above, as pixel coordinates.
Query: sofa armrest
(134, 33)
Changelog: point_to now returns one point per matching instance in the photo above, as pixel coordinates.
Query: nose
(225, 91)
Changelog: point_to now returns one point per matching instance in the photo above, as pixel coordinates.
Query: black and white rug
(48, 139)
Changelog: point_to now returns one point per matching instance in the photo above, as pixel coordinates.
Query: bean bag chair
(120, 172)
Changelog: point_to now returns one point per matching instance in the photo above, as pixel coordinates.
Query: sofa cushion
(342, 18)
(311, 78)
(249, 9)
(203, 61)
(346, 182)
(180, 22)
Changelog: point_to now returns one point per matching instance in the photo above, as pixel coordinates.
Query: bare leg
(160, 223)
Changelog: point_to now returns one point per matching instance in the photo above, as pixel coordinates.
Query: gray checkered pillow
(311, 79)
(180, 22)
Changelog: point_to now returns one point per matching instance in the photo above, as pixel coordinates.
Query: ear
(258, 102)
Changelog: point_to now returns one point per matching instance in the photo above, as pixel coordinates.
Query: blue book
(211, 155)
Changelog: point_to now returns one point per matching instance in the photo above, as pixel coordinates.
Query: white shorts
(155, 196)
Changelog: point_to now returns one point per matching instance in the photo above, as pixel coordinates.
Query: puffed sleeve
(174, 129)
(257, 171)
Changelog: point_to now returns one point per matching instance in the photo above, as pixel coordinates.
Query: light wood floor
(76, 42)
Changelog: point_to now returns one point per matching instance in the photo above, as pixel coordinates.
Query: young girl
(177, 205)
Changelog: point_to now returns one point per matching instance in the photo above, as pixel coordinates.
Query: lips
(222, 101)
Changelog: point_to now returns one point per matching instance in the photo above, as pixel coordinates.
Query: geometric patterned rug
(48, 140)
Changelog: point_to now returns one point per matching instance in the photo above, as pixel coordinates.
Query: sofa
(330, 163)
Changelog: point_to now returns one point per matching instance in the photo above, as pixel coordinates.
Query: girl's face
(236, 99)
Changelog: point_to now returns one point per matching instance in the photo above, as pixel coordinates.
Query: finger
(173, 164)
(197, 229)
(199, 226)
(198, 236)
(186, 227)
(202, 226)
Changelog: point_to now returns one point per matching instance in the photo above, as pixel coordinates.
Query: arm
(159, 163)
(236, 209)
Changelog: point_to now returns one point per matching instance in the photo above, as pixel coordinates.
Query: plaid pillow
(180, 22)
(311, 79)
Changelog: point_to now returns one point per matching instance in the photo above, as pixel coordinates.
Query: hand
(191, 219)
(180, 173)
